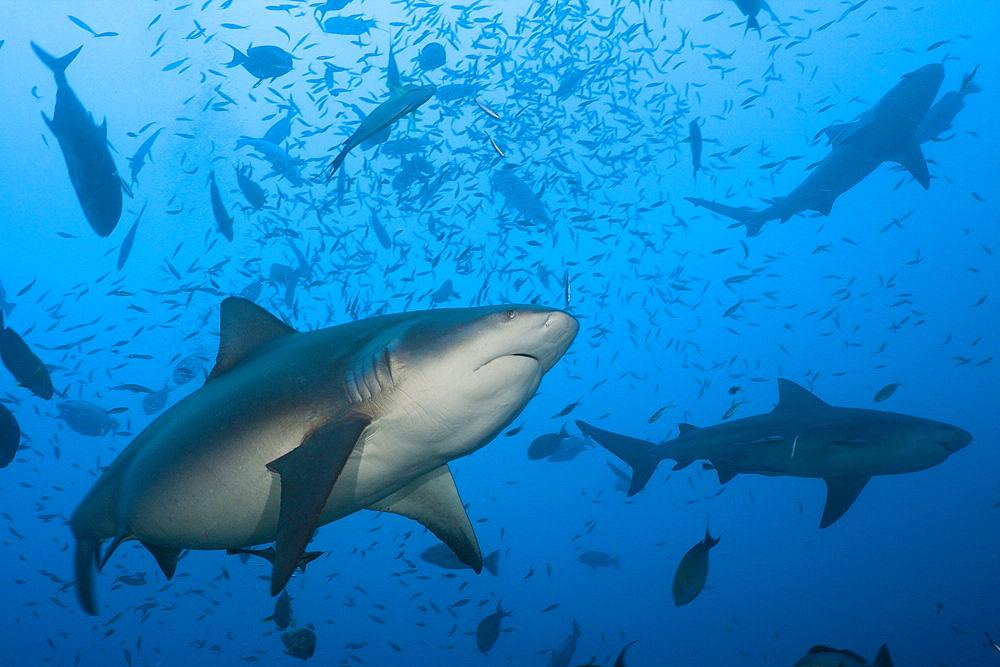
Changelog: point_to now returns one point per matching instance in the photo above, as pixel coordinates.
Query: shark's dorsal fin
(245, 326)
(840, 495)
(433, 501)
(794, 397)
(837, 133)
(686, 428)
(912, 159)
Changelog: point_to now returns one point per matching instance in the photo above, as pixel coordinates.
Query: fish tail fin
(87, 555)
(753, 220)
(335, 165)
(883, 659)
(57, 65)
(640, 455)
(238, 57)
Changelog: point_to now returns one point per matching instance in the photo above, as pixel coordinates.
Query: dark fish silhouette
(23, 364)
(692, 572)
(263, 62)
(85, 148)
(488, 629)
(824, 656)
(10, 436)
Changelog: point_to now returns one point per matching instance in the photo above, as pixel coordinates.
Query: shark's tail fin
(882, 659)
(492, 563)
(754, 220)
(57, 65)
(642, 456)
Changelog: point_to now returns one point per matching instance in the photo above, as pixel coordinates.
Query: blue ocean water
(593, 101)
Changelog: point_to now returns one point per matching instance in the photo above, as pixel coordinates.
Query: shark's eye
(510, 314)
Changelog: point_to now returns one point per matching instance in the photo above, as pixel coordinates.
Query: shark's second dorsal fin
(794, 397)
(838, 133)
(245, 326)
(686, 428)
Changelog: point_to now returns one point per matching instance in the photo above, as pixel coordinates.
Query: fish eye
(510, 314)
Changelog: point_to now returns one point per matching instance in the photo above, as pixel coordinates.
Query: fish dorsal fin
(841, 493)
(245, 326)
(794, 397)
(686, 428)
(433, 500)
(912, 158)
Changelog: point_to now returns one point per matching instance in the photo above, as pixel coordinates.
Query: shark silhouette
(295, 430)
(801, 437)
(884, 133)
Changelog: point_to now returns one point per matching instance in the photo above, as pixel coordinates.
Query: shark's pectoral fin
(840, 495)
(88, 552)
(308, 473)
(912, 159)
(166, 558)
(244, 327)
(433, 501)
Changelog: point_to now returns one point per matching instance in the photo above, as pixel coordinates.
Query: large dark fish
(383, 116)
(442, 556)
(10, 436)
(85, 147)
(263, 62)
(692, 572)
(694, 138)
(129, 241)
(27, 368)
(488, 629)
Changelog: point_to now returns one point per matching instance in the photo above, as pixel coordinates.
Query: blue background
(913, 564)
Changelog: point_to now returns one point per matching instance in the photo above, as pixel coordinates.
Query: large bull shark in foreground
(884, 133)
(295, 430)
(801, 437)
(84, 146)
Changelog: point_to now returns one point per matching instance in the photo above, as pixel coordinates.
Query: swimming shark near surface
(884, 133)
(293, 430)
(801, 437)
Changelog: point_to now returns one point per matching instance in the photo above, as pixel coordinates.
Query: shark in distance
(884, 133)
(293, 430)
(802, 437)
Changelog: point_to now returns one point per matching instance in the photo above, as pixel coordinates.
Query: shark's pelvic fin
(308, 473)
(433, 501)
(642, 456)
(840, 495)
(912, 159)
(166, 558)
(724, 474)
(794, 397)
(245, 326)
(88, 552)
(836, 134)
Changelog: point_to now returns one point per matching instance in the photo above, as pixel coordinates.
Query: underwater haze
(737, 202)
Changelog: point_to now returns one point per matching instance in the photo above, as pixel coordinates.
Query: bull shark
(84, 146)
(293, 430)
(884, 133)
(801, 437)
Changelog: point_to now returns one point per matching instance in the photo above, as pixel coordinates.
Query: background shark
(295, 430)
(884, 133)
(801, 437)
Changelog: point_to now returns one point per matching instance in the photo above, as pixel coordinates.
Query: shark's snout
(557, 333)
(954, 439)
